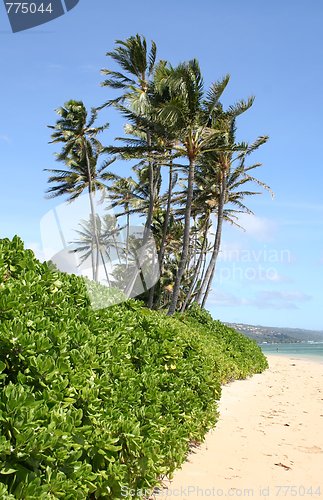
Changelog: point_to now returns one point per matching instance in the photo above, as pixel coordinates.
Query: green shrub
(238, 356)
(96, 401)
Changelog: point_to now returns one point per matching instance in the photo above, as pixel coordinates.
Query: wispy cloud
(54, 66)
(295, 222)
(271, 299)
(276, 277)
(5, 138)
(292, 205)
(301, 206)
(88, 68)
(264, 299)
(223, 299)
(259, 228)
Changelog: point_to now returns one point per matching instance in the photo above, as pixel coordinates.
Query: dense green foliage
(95, 401)
(237, 357)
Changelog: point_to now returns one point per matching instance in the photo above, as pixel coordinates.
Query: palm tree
(107, 231)
(159, 154)
(172, 179)
(138, 64)
(220, 165)
(187, 114)
(216, 184)
(202, 248)
(173, 246)
(80, 153)
(130, 194)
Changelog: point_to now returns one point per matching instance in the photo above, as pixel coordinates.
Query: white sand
(268, 442)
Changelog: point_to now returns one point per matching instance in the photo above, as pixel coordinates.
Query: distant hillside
(279, 335)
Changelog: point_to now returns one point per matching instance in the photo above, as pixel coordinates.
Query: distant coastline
(276, 335)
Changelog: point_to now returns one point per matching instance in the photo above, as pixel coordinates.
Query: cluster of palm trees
(190, 173)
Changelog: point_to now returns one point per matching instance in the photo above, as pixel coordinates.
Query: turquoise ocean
(302, 349)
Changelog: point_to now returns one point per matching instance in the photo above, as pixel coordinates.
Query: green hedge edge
(101, 403)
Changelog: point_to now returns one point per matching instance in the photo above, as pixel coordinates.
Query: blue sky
(271, 274)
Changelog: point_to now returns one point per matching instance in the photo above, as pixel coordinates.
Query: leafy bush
(238, 356)
(96, 401)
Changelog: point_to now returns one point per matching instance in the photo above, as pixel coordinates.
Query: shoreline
(298, 350)
(268, 441)
(295, 357)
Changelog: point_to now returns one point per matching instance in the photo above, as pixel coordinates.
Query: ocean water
(302, 349)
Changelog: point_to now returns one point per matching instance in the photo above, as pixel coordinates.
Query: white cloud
(300, 206)
(259, 228)
(273, 299)
(88, 68)
(278, 278)
(295, 222)
(264, 299)
(223, 299)
(55, 66)
(5, 138)
(231, 251)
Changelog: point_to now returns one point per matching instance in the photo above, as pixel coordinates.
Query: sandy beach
(268, 442)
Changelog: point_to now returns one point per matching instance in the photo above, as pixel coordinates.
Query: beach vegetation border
(97, 402)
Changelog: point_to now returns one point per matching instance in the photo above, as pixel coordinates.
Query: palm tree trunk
(204, 265)
(198, 267)
(164, 236)
(214, 257)
(186, 238)
(116, 246)
(207, 281)
(96, 278)
(167, 217)
(105, 268)
(92, 259)
(93, 213)
(127, 237)
(151, 188)
(194, 244)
